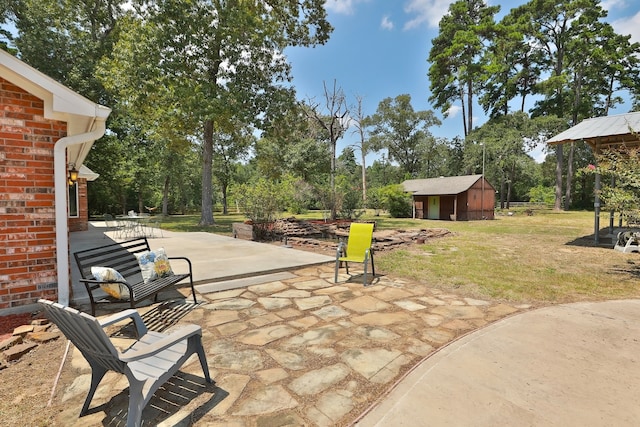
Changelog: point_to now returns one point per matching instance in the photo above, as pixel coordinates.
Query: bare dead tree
(332, 118)
(360, 124)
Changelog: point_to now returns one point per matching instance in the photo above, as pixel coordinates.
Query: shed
(455, 198)
(602, 133)
(46, 131)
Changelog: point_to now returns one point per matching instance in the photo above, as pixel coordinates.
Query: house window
(73, 200)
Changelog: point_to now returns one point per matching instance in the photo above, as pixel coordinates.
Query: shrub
(262, 201)
(542, 194)
(396, 201)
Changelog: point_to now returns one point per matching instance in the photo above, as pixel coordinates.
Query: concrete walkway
(568, 365)
(288, 347)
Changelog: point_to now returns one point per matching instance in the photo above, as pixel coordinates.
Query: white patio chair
(147, 364)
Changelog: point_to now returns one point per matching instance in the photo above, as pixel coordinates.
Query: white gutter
(61, 194)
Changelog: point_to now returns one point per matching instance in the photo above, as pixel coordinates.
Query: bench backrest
(86, 334)
(119, 256)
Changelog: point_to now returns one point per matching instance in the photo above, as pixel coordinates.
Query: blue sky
(379, 49)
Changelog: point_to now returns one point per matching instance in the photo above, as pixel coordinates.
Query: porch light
(73, 175)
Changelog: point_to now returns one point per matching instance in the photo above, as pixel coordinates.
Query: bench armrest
(132, 314)
(88, 282)
(184, 259)
(179, 335)
(91, 284)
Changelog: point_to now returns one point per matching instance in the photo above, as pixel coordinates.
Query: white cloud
(425, 11)
(453, 111)
(612, 4)
(386, 23)
(629, 25)
(343, 7)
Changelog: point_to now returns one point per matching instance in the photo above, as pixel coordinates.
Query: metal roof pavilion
(603, 132)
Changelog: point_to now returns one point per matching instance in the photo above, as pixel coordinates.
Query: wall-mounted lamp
(73, 175)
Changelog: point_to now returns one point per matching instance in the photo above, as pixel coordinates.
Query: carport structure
(603, 133)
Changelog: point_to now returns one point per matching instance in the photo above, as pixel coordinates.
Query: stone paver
(295, 351)
(318, 380)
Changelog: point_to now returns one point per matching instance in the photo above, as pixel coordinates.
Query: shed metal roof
(603, 131)
(440, 186)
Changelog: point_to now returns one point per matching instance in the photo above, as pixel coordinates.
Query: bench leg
(193, 291)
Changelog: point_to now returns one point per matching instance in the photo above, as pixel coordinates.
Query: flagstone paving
(292, 352)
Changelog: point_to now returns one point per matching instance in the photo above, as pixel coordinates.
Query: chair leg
(365, 271)
(203, 360)
(137, 402)
(373, 267)
(193, 291)
(97, 373)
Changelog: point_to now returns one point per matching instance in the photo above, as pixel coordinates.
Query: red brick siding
(28, 268)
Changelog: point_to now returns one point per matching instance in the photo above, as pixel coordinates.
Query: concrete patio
(286, 346)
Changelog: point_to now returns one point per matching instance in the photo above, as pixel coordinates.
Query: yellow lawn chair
(357, 249)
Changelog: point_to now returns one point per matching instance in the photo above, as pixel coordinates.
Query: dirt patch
(28, 383)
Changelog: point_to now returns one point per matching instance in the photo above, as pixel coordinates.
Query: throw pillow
(110, 277)
(154, 264)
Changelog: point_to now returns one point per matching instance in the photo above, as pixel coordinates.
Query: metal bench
(121, 257)
(147, 364)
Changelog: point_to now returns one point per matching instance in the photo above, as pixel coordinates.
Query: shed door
(419, 207)
(434, 207)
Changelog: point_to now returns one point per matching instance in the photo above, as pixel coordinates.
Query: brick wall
(27, 201)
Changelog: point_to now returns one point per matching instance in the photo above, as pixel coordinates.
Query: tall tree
(332, 118)
(506, 140)
(550, 27)
(66, 40)
(292, 145)
(403, 132)
(456, 56)
(510, 69)
(360, 123)
(228, 148)
(219, 59)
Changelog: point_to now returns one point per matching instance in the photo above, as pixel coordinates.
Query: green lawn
(536, 259)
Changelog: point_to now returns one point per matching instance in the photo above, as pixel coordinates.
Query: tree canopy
(203, 99)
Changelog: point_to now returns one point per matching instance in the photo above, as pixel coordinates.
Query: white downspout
(61, 192)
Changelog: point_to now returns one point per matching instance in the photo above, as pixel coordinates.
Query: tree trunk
(123, 201)
(225, 208)
(165, 196)
(502, 192)
(470, 105)
(206, 215)
(464, 114)
(332, 182)
(140, 202)
(364, 178)
(512, 177)
(559, 160)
